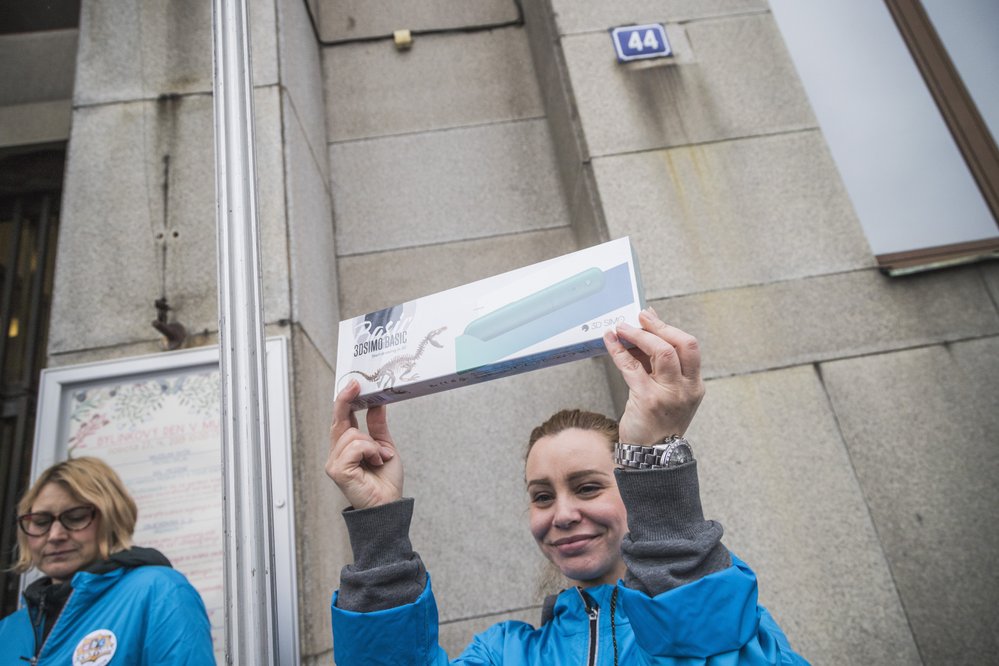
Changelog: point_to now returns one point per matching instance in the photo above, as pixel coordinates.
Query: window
(906, 120)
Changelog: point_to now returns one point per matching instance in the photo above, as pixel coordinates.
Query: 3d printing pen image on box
(551, 312)
(541, 315)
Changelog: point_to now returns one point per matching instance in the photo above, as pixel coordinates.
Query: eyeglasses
(74, 520)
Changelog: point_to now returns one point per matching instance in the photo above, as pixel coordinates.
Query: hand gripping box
(552, 312)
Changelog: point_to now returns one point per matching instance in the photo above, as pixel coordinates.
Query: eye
(589, 489)
(77, 518)
(541, 498)
(41, 520)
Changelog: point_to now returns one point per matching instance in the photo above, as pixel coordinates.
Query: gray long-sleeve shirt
(669, 543)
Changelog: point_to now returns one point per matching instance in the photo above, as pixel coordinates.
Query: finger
(688, 349)
(642, 358)
(372, 453)
(631, 368)
(347, 468)
(360, 451)
(637, 354)
(378, 425)
(343, 413)
(663, 358)
(337, 458)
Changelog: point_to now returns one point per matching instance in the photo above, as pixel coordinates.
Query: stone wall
(848, 438)
(830, 386)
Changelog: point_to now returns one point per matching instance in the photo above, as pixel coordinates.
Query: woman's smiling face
(577, 516)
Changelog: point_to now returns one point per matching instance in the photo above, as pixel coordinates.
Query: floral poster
(161, 434)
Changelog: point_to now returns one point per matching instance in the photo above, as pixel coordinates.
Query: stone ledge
(831, 317)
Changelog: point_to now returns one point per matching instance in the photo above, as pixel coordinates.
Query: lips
(573, 545)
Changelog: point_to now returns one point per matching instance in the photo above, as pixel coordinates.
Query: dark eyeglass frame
(26, 521)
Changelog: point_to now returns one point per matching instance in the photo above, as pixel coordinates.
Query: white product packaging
(552, 312)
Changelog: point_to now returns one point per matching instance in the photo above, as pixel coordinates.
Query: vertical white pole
(250, 627)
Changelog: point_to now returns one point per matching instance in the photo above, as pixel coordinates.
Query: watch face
(681, 454)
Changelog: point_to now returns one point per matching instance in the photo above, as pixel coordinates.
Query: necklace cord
(613, 606)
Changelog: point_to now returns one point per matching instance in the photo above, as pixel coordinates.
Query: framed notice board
(155, 419)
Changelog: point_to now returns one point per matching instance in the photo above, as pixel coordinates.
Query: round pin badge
(96, 649)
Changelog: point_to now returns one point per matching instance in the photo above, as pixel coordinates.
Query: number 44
(638, 43)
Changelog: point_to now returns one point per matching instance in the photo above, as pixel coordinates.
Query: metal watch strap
(648, 457)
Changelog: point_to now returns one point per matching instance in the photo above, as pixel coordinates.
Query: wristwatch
(672, 451)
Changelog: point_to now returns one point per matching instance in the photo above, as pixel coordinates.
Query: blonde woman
(101, 600)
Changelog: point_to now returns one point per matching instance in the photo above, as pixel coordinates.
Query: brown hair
(92, 481)
(573, 418)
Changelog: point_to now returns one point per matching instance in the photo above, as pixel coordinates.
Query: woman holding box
(101, 600)
(653, 582)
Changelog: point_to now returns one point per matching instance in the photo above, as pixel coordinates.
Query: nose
(566, 513)
(57, 532)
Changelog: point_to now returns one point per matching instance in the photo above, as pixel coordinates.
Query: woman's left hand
(663, 373)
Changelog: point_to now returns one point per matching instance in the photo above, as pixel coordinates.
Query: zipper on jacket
(37, 617)
(593, 613)
(40, 629)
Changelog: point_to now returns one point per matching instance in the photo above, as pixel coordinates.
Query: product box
(552, 312)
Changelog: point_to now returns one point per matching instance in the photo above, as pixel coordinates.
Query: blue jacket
(715, 620)
(146, 616)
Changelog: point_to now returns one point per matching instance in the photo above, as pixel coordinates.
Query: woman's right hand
(366, 466)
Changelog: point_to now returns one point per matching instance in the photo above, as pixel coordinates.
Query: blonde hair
(91, 481)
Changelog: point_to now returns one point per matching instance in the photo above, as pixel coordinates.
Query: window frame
(967, 127)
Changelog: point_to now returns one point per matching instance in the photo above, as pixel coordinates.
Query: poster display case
(155, 419)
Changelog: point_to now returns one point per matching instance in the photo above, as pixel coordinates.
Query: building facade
(849, 440)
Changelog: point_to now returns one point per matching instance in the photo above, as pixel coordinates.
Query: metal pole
(250, 629)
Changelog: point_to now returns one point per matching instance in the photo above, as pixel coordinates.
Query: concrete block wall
(831, 388)
(443, 171)
(314, 313)
(139, 196)
(824, 376)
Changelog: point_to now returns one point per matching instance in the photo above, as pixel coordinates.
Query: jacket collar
(568, 609)
(95, 578)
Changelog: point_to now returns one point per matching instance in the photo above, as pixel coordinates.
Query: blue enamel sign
(635, 42)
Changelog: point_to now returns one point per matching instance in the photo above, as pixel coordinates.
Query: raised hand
(663, 373)
(366, 466)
